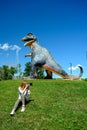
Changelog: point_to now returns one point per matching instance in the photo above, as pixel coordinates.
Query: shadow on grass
(20, 104)
(26, 103)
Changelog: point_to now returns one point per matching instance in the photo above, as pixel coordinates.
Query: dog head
(29, 39)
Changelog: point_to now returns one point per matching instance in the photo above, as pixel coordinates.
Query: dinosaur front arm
(30, 54)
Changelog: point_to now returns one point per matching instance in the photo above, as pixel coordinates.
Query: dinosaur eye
(30, 34)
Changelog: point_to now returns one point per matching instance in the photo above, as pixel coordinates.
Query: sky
(59, 25)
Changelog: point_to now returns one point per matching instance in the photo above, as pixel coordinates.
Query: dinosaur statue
(41, 57)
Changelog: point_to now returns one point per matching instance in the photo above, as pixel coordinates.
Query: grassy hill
(54, 105)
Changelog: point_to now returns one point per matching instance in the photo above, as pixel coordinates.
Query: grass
(55, 105)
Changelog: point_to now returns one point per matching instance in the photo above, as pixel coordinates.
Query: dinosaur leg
(32, 73)
(33, 70)
(49, 74)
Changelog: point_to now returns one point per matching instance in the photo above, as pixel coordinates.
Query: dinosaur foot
(48, 77)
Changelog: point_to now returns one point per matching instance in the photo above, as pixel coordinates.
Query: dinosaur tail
(63, 74)
(72, 77)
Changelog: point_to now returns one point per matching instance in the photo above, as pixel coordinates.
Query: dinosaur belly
(61, 73)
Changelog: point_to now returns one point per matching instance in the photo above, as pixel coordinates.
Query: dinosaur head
(29, 39)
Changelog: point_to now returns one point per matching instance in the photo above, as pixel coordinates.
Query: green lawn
(54, 105)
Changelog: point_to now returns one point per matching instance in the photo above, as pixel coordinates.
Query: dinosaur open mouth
(29, 39)
(29, 43)
(26, 44)
(26, 39)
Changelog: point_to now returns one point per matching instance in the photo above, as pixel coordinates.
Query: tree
(39, 71)
(27, 69)
(7, 72)
(1, 73)
(5, 69)
(12, 71)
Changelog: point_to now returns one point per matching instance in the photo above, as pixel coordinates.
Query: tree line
(7, 72)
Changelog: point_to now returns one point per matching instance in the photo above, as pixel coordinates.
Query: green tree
(27, 69)
(12, 71)
(39, 71)
(6, 71)
(1, 73)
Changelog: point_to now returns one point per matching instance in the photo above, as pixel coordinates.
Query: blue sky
(60, 26)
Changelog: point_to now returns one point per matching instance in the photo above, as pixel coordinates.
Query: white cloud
(15, 47)
(74, 67)
(6, 47)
